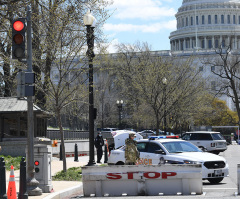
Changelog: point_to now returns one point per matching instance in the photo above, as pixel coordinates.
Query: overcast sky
(142, 20)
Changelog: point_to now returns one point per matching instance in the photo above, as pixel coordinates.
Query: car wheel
(215, 180)
(119, 163)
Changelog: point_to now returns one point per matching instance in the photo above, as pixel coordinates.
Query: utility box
(42, 166)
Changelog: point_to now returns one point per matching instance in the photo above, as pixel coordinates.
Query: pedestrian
(98, 142)
(131, 152)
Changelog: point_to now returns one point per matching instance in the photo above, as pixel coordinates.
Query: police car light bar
(156, 137)
(163, 137)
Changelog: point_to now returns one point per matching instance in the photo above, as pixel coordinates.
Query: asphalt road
(226, 189)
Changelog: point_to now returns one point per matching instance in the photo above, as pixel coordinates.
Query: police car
(154, 151)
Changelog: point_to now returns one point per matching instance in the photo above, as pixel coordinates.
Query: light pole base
(91, 163)
(32, 188)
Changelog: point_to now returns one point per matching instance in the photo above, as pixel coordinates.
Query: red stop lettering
(166, 174)
(130, 174)
(114, 176)
(156, 175)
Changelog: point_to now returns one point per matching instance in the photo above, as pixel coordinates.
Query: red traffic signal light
(18, 38)
(36, 163)
(18, 25)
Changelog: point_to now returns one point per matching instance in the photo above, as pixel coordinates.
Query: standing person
(131, 152)
(98, 142)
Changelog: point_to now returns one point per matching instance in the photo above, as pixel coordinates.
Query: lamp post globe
(89, 19)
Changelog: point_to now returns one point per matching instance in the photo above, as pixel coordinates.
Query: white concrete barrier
(136, 180)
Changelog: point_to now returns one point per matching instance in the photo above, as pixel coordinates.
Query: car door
(142, 148)
(155, 153)
(149, 156)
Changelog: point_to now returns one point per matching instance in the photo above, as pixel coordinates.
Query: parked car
(108, 130)
(175, 151)
(147, 133)
(211, 141)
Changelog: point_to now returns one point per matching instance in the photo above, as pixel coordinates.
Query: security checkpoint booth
(134, 180)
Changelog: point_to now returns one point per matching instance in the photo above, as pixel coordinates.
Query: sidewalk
(65, 187)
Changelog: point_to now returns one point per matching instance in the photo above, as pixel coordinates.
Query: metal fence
(73, 135)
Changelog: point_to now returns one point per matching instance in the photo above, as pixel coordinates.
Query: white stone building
(203, 26)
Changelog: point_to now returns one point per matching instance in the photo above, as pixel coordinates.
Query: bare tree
(141, 73)
(225, 65)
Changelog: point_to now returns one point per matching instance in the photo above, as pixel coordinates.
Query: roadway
(226, 189)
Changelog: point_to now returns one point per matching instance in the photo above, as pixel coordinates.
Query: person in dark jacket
(98, 142)
(131, 152)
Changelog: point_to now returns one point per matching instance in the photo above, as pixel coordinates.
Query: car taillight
(212, 144)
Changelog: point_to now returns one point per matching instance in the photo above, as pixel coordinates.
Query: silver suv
(211, 141)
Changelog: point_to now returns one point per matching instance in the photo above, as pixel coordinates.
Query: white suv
(211, 141)
(175, 151)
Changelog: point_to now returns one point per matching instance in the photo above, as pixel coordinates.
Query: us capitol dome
(205, 25)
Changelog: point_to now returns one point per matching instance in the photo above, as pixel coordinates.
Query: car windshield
(217, 136)
(180, 147)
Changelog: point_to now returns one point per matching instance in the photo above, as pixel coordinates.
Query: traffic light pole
(32, 183)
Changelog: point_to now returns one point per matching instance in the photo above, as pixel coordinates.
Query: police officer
(131, 152)
(98, 142)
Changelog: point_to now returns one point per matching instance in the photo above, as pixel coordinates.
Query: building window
(191, 21)
(212, 68)
(228, 19)
(209, 43)
(216, 19)
(209, 19)
(196, 20)
(234, 19)
(182, 22)
(203, 19)
(186, 21)
(203, 46)
(222, 19)
(216, 43)
(223, 43)
(238, 19)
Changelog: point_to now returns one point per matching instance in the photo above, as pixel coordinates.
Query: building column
(205, 42)
(191, 46)
(213, 42)
(235, 42)
(175, 45)
(184, 44)
(220, 40)
(197, 43)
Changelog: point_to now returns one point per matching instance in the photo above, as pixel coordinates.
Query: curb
(66, 192)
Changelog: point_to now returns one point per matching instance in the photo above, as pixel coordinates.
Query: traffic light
(18, 38)
(36, 164)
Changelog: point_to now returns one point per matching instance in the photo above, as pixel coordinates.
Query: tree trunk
(62, 140)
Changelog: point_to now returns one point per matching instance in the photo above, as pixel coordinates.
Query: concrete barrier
(136, 180)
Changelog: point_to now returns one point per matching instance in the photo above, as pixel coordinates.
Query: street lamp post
(164, 81)
(89, 21)
(120, 105)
